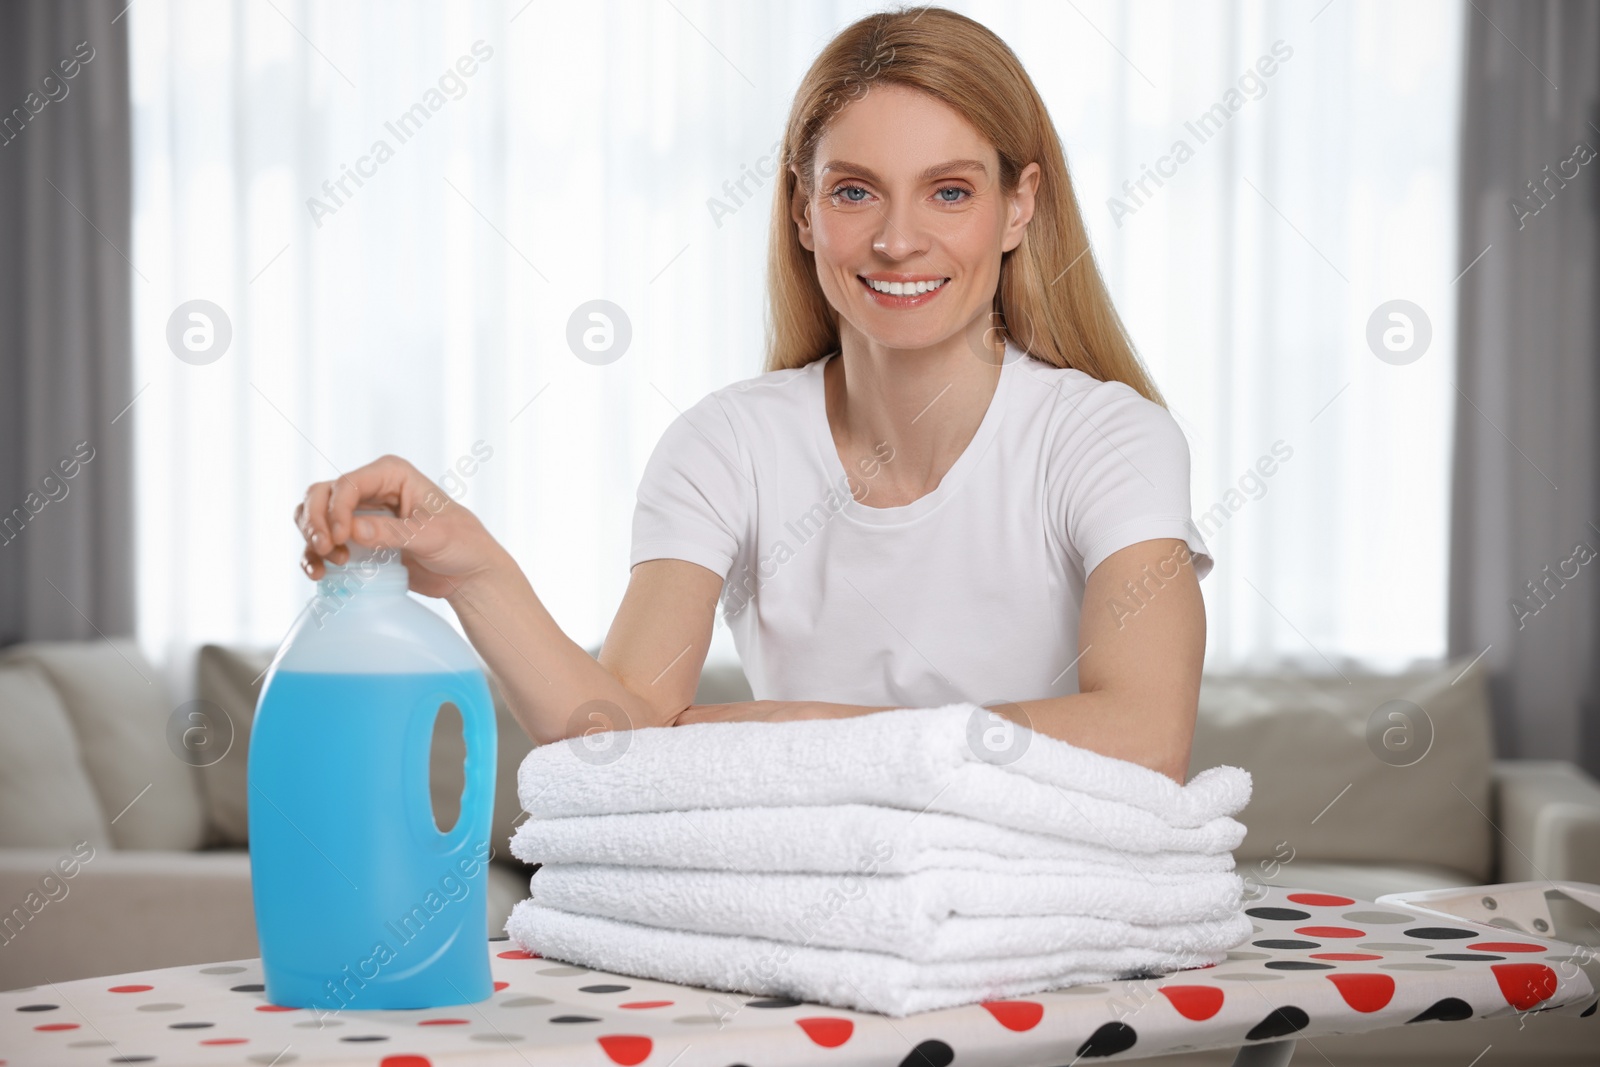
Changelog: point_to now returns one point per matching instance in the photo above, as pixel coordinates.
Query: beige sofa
(1363, 786)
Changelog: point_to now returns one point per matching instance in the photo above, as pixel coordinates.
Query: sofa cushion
(120, 712)
(1363, 881)
(1352, 770)
(231, 677)
(46, 799)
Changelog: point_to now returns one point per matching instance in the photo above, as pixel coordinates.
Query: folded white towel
(850, 837)
(924, 917)
(865, 981)
(960, 758)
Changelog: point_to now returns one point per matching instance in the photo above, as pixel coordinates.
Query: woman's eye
(844, 191)
(961, 194)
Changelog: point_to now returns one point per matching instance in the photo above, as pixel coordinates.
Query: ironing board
(1315, 964)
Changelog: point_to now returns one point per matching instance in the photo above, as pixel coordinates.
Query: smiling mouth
(903, 294)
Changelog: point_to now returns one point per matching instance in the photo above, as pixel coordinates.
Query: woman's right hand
(443, 545)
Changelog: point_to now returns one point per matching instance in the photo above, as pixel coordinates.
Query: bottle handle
(479, 733)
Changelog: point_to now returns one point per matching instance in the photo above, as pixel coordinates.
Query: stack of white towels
(893, 862)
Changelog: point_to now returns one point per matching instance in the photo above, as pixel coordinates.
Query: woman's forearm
(555, 689)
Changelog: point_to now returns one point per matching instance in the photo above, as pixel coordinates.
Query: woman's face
(906, 197)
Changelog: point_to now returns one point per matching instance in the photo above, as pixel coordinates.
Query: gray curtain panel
(1525, 528)
(66, 464)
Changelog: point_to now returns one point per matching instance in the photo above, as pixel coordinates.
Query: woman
(953, 482)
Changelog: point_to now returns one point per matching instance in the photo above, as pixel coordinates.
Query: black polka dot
(603, 988)
(1589, 1010)
(502, 937)
(252, 987)
(131, 1059)
(1441, 933)
(1286, 942)
(1109, 1040)
(39, 1007)
(1450, 1010)
(1463, 956)
(366, 1037)
(189, 1026)
(1279, 1023)
(772, 1002)
(1297, 965)
(574, 1019)
(932, 1053)
(1277, 913)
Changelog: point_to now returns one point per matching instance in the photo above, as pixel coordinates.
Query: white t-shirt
(971, 592)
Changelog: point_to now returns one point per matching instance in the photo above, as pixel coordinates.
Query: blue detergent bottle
(361, 901)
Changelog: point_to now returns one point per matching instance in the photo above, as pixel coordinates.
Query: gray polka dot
(317, 1024)
(87, 1044)
(1249, 977)
(222, 970)
(697, 1020)
(525, 1002)
(1417, 966)
(499, 1039)
(1395, 946)
(1249, 956)
(1080, 990)
(271, 1061)
(562, 972)
(1378, 917)
(160, 1006)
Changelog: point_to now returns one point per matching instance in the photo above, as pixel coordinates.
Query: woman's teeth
(905, 288)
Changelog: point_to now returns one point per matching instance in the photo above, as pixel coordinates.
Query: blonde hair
(1051, 301)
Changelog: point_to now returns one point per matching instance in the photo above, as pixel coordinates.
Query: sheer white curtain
(399, 208)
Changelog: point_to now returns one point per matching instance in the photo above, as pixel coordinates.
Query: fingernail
(316, 540)
(364, 528)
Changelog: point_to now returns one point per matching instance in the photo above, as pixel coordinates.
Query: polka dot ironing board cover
(1315, 964)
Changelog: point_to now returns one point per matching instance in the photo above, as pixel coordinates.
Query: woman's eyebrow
(937, 170)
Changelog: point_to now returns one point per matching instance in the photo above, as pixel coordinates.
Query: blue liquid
(360, 901)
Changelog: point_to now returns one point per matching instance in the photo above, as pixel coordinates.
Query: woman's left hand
(754, 711)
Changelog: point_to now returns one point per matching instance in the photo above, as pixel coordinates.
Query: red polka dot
(500, 985)
(442, 1022)
(1507, 946)
(1329, 931)
(1345, 956)
(827, 1032)
(1524, 984)
(1015, 1014)
(405, 1061)
(57, 1026)
(1194, 1002)
(1364, 992)
(626, 1049)
(1320, 900)
(646, 1004)
(275, 1007)
(518, 954)
(225, 1041)
(131, 988)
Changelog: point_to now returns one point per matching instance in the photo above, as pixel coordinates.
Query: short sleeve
(694, 496)
(1123, 468)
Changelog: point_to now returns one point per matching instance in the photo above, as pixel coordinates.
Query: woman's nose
(899, 234)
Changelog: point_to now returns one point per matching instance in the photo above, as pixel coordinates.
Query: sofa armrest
(140, 910)
(121, 911)
(1548, 813)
